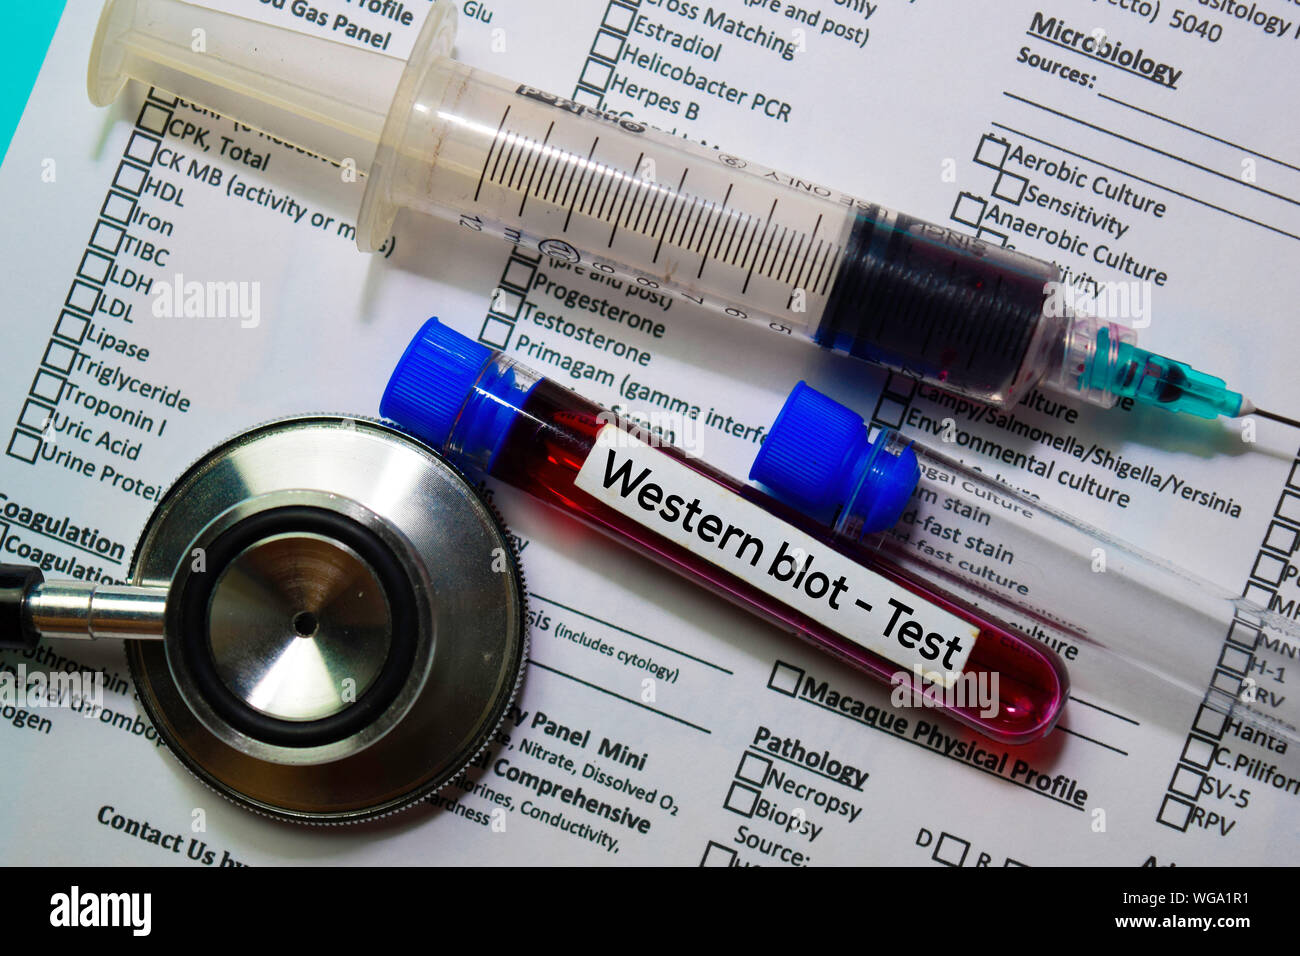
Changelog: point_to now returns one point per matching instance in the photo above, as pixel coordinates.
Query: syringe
(587, 186)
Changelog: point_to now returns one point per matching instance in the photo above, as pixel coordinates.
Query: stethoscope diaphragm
(344, 620)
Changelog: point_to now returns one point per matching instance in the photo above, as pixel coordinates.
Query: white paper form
(960, 113)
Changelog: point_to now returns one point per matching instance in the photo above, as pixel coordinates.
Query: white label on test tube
(713, 522)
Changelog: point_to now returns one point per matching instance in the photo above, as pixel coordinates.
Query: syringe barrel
(1067, 582)
(608, 196)
(604, 194)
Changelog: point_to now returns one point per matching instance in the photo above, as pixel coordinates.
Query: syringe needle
(1277, 418)
(1248, 408)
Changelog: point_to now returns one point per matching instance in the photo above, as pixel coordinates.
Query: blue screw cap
(820, 459)
(432, 380)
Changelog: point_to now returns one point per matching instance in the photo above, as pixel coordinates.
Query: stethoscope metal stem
(84, 610)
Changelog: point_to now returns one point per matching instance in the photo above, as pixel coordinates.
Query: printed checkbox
(586, 97)
(154, 118)
(1282, 538)
(35, 416)
(107, 237)
(901, 386)
(23, 446)
(1187, 782)
(969, 209)
(608, 46)
(1198, 752)
(1293, 480)
(1258, 594)
(118, 207)
(519, 275)
(1243, 635)
(1225, 682)
(1210, 722)
(142, 148)
(1235, 660)
(72, 327)
(715, 854)
(992, 235)
(950, 850)
(130, 178)
(47, 386)
(95, 266)
(1247, 618)
(619, 17)
(162, 96)
(741, 799)
(83, 296)
(59, 356)
(1288, 509)
(890, 413)
(785, 678)
(754, 769)
(992, 152)
(1176, 812)
(596, 74)
(496, 332)
(1011, 862)
(1269, 568)
(1010, 187)
(507, 304)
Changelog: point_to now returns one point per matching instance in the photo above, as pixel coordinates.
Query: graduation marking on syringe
(488, 157)
(540, 153)
(630, 201)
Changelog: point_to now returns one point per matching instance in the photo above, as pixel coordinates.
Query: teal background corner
(23, 45)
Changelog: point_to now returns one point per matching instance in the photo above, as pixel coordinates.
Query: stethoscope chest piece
(344, 621)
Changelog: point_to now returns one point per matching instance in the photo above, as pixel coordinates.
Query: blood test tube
(492, 416)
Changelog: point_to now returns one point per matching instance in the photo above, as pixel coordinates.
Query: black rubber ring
(196, 646)
(17, 581)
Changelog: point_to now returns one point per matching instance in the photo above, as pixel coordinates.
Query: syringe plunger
(328, 98)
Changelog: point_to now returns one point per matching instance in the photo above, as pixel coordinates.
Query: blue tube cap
(458, 395)
(819, 458)
(432, 379)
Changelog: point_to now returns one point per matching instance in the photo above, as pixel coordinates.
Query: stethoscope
(325, 621)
